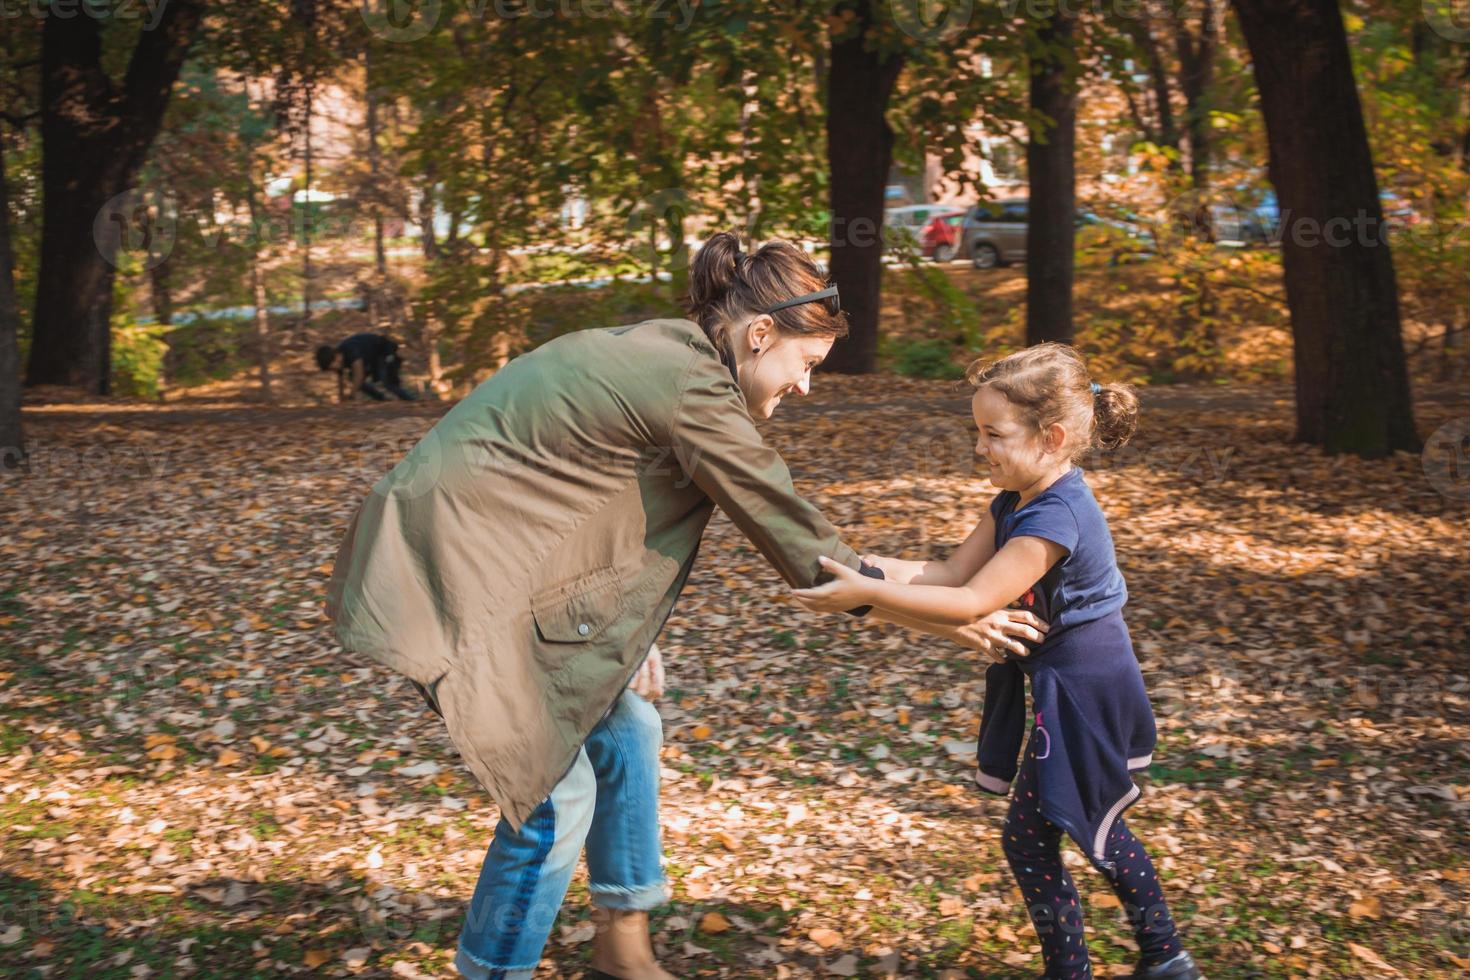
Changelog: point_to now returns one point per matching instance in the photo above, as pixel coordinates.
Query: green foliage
(137, 348)
(562, 309)
(934, 306)
(933, 359)
(23, 178)
(137, 358)
(1412, 102)
(668, 128)
(207, 349)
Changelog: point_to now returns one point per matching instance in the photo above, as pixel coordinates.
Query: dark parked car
(994, 233)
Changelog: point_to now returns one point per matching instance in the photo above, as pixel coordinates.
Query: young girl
(1045, 543)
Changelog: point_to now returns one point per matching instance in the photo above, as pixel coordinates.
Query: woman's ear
(762, 332)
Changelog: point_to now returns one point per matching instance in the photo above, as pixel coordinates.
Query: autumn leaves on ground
(195, 780)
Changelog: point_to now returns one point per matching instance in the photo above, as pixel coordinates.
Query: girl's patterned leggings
(1033, 847)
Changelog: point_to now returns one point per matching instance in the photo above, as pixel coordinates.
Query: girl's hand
(1002, 632)
(847, 589)
(895, 569)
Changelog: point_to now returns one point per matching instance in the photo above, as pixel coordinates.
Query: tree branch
(152, 70)
(1246, 287)
(19, 122)
(1137, 115)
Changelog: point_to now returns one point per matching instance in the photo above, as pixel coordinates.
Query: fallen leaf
(824, 937)
(316, 957)
(951, 906)
(1366, 908)
(1371, 958)
(713, 923)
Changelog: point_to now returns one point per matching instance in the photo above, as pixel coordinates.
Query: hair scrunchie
(1096, 389)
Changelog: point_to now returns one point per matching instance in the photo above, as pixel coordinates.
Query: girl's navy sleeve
(1046, 517)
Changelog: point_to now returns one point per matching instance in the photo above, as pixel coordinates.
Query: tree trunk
(1167, 132)
(380, 253)
(1051, 175)
(263, 346)
(859, 155)
(661, 163)
(160, 289)
(432, 363)
(451, 236)
(94, 138)
(306, 225)
(1465, 114)
(1352, 384)
(431, 329)
(426, 217)
(1446, 349)
(304, 12)
(1196, 69)
(12, 443)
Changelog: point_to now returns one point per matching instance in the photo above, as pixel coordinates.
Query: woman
(518, 564)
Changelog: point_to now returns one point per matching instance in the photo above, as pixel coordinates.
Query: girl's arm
(999, 582)
(957, 569)
(993, 635)
(945, 632)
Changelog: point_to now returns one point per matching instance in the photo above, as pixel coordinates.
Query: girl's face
(1013, 451)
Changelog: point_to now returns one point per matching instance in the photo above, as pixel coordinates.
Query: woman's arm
(719, 448)
(999, 582)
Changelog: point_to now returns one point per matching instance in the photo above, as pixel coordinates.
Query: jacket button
(583, 629)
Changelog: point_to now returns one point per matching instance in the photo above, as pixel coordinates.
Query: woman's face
(1007, 446)
(783, 365)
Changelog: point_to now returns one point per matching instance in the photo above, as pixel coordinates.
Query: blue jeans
(607, 800)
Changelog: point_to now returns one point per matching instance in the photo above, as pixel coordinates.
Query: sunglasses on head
(827, 297)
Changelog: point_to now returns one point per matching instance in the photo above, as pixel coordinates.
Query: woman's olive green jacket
(522, 558)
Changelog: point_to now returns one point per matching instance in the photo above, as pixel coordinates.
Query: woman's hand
(895, 569)
(648, 682)
(1002, 632)
(847, 589)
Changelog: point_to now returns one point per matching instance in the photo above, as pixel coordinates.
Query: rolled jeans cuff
(641, 899)
(473, 969)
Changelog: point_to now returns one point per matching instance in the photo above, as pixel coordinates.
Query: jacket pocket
(579, 611)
